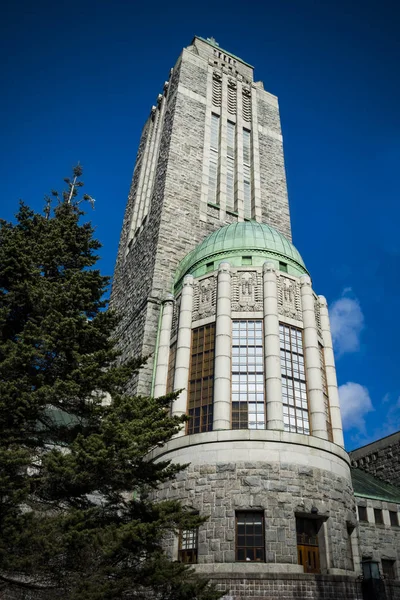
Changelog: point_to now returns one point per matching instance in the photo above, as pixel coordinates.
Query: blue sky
(78, 82)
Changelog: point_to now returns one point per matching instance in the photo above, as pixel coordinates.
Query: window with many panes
(214, 150)
(201, 379)
(247, 173)
(250, 537)
(325, 392)
(294, 391)
(188, 542)
(230, 166)
(248, 404)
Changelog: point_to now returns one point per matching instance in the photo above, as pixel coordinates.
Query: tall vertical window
(201, 379)
(187, 549)
(214, 149)
(230, 166)
(325, 392)
(248, 406)
(294, 393)
(250, 537)
(171, 368)
(247, 173)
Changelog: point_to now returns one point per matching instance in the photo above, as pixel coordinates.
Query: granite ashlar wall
(381, 459)
(279, 490)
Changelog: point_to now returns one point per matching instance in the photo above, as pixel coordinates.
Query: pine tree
(77, 519)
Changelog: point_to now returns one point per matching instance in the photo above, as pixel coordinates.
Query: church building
(210, 286)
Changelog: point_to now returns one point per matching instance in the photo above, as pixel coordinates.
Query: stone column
(160, 380)
(272, 354)
(312, 362)
(223, 350)
(333, 394)
(183, 344)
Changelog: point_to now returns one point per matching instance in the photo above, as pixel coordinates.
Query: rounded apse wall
(283, 479)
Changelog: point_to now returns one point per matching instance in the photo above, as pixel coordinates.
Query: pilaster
(183, 345)
(223, 349)
(312, 360)
(272, 361)
(330, 369)
(160, 381)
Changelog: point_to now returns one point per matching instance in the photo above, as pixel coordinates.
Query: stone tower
(210, 286)
(210, 154)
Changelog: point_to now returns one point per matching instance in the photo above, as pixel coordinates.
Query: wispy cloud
(347, 322)
(355, 403)
(391, 421)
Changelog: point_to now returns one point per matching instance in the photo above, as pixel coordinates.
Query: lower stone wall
(290, 587)
(280, 491)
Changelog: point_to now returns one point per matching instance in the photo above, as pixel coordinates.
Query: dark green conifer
(77, 520)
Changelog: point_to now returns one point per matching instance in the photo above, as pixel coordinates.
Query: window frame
(378, 516)
(360, 518)
(202, 384)
(244, 514)
(239, 375)
(388, 568)
(299, 403)
(190, 552)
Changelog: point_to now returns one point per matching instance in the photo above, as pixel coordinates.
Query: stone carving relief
(289, 299)
(175, 317)
(317, 309)
(204, 298)
(247, 291)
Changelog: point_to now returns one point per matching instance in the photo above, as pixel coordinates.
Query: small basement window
(388, 569)
(362, 514)
(378, 516)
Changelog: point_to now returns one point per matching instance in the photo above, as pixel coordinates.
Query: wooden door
(307, 544)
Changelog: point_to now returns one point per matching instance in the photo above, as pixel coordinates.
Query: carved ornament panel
(204, 298)
(247, 292)
(289, 298)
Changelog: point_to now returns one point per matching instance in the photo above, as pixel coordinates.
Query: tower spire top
(212, 40)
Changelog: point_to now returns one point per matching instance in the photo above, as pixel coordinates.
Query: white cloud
(355, 403)
(347, 322)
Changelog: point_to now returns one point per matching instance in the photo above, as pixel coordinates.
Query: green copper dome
(245, 243)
